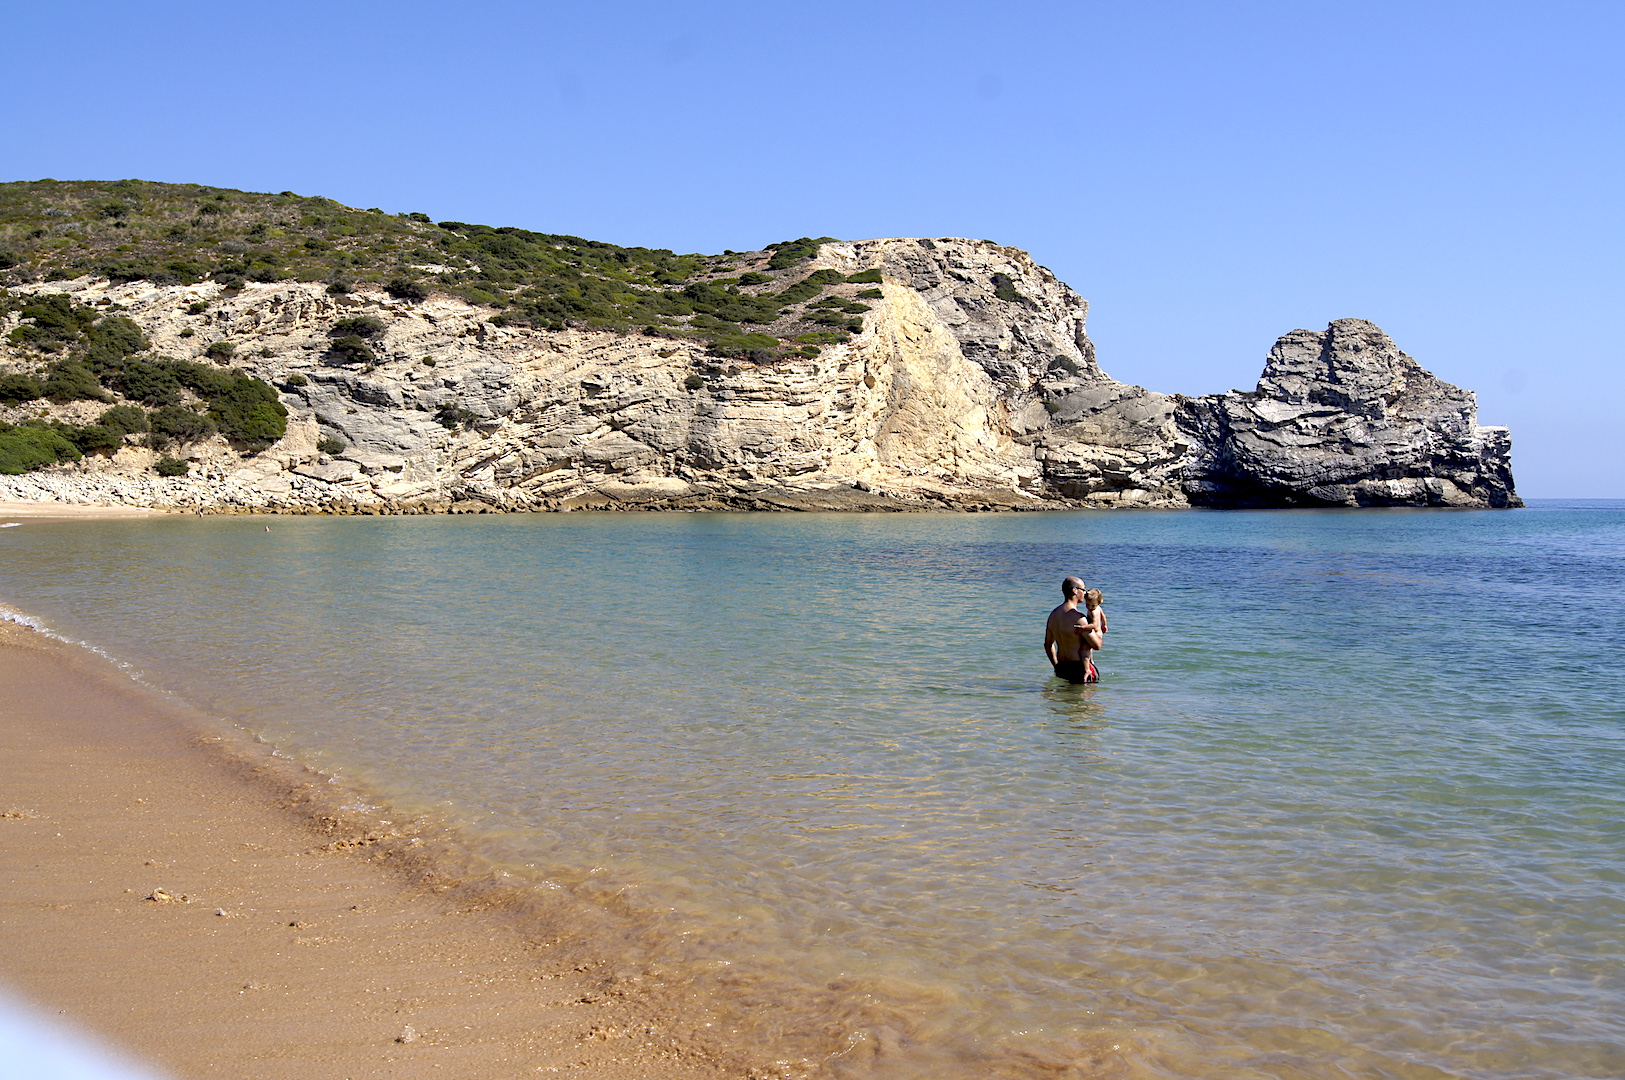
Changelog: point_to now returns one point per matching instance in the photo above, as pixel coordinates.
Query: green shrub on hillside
(350, 350)
(358, 326)
(125, 419)
(787, 253)
(70, 380)
(16, 389)
(1005, 289)
(177, 423)
(863, 277)
(151, 383)
(330, 446)
(220, 350)
(403, 288)
(757, 348)
(92, 437)
(452, 417)
(25, 447)
(248, 412)
(53, 322)
(168, 466)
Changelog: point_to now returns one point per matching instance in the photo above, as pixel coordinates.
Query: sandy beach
(197, 909)
(12, 508)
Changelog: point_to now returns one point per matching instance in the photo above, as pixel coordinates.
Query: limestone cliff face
(973, 384)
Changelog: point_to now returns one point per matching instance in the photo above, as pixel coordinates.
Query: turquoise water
(1350, 800)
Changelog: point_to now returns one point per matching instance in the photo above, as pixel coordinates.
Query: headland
(200, 348)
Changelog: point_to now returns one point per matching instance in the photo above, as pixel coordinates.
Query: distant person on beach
(1065, 646)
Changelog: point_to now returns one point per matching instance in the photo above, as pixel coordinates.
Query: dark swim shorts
(1077, 671)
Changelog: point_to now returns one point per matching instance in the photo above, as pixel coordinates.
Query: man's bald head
(1070, 586)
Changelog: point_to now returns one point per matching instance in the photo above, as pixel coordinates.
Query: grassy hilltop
(747, 305)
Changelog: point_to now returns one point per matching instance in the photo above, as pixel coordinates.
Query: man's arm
(1049, 641)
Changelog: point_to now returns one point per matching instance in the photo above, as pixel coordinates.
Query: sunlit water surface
(1350, 800)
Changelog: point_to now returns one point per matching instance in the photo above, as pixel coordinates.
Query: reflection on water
(1347, 802)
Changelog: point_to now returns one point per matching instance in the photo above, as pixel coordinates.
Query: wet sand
(282, 941)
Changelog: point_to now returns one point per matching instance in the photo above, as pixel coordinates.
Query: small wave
(13, 616)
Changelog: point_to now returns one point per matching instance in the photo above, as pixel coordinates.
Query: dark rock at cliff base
(1342, 417)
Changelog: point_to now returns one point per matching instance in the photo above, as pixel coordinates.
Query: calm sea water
(1350, 800)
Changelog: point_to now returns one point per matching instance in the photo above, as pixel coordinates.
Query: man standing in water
(1064, 646)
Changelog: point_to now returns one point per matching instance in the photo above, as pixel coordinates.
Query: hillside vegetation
(85, 354)
(757, 306)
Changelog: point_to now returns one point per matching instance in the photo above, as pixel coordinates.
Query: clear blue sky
(1209, 175)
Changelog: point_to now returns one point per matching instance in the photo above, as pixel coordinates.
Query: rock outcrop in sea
(971, 385)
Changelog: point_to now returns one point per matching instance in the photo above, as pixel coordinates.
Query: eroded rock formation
(973, 384)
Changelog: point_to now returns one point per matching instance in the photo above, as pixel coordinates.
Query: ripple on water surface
(1348, 802)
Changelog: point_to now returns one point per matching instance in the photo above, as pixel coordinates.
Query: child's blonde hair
(1093, 598)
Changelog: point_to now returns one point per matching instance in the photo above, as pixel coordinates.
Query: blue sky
(1208, 175)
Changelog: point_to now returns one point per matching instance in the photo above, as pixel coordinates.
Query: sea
(1348, 801)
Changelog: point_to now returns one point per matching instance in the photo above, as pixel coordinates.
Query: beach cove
(804, 778)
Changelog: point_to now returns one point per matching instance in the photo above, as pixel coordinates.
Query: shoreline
(17, 508)
(215, 911)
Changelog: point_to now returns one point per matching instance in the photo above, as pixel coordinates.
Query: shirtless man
(1064, 644)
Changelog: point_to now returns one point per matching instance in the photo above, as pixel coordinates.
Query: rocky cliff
(972, 384)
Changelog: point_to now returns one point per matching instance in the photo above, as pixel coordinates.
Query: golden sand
(200, 909)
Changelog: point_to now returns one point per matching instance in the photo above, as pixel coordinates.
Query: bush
(168, 466)
(125, 419)
(180, 424)
(865, 277)
(403, 288)
(364, 326)
(350, 350)
(150, 383)
(248, 412)
(296, 379)
(93, 437)
(871, 294)
(29, 446)
(53, 321)
(69, 380)
(805, 289)
(753, 278)
(340, 284)
(16, 389)
(787, 253)
(197, 307)
(1005, 289)
(757, 348)
(111, 340)
(220, 350)
(452, 417)
(330, 446)
(694, 382)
